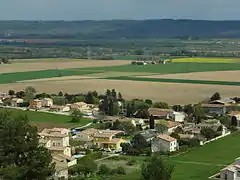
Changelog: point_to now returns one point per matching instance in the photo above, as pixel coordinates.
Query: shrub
(131, 162)
(103, 170)
(120, 170)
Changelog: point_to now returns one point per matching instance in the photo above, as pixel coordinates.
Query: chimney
(151, 122)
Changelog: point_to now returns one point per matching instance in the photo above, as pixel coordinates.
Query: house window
(54, 144)
(225, 176)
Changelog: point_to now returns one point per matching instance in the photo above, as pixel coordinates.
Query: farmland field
(207, 60)
(132, 81)
(173, 93)
(47, 120)
(233, 76)
(46, 64)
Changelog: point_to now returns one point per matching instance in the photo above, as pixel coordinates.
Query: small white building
(16, 102)
(164, 143)
(47, 102)
(178, 116)
(60, 108)
(231, 172)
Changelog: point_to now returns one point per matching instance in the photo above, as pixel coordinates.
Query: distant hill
(119, 29)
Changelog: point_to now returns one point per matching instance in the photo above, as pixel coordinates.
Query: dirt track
(35, 66)
(168, 92)
(217, 76)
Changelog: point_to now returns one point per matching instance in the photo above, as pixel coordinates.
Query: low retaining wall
(214, 139)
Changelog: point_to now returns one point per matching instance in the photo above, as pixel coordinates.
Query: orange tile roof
(234, 113)
(212, 105)
(166, 138)
(106, 133)
(113, 141)
(172, 124)
(90, 131)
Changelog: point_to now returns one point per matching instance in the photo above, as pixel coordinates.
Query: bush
(103, 170)
(96, 155)
(119, 170)
(131, 162)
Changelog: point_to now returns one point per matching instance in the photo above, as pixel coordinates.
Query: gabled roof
(212, 105)
(167, 138)
(159, 112)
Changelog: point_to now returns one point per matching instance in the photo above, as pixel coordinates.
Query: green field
(184, 81)
(201, 162)
(172, 68)
(21, 76)
(158, 68)
(41, 117)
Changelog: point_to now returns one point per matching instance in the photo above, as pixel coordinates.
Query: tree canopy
(157, 169)
(21, 156)
(215, 96)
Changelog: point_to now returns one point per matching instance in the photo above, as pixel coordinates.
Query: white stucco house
(178, 116)
(231, 172)
(164, 143)
(16, 102)
(47, 102)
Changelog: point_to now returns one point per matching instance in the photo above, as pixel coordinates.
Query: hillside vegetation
(119, 29)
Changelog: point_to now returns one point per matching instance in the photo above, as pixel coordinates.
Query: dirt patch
(58, 79)
(173, 93)
(35, 66)
(233, 76)
(41, 126)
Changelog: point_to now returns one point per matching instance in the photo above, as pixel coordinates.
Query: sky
(119, 9)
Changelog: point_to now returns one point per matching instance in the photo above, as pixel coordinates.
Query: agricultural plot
(173, 93)
(172, 68)
(184, 81)
(233, 76)
(47, 120)
(207, 60)
(46, 64)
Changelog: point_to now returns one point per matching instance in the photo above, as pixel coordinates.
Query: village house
(215, 109)
(60, 108)
(158, 113)
(103, 139)
(86, 109)
(134, 121)
(170, 125)
(47, 102)
(57, 141)
(231, 172)
(3, 96)
(234, 117)
(35, 104)
(178, 116)
(16, 102)
(164, 143)
(149, 135)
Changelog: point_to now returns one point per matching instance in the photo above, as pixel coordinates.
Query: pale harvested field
(35, 66)
(172, 93)
(233, 76)
(89, 76)
(58, 79)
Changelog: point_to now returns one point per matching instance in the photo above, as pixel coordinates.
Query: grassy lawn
(46, 119)
(20, 76)
(200, 163)
(184, 81)
(172, 68)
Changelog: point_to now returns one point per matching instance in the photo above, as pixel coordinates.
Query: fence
(219, 137)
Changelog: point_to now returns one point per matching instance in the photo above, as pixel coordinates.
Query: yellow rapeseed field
(208, 60)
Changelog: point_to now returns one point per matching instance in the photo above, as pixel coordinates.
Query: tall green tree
(21, 156)
(29, 93)
(161, 105)
(76, 116)
(86, 167)
(157, 169)
(114, 94)
(215, 96)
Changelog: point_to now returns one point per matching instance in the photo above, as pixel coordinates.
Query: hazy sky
(119, 9)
